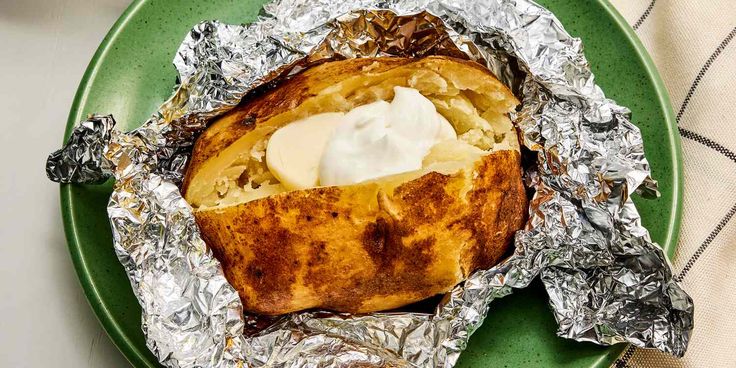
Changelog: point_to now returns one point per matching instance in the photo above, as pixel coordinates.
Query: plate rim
(138, 358)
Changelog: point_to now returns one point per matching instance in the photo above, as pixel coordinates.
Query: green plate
(131, 74)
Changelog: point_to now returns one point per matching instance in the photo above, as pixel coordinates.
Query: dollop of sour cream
(382, 138)
(368, 142)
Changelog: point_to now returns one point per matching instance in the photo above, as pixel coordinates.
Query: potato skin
(363, 247)
(359, 249)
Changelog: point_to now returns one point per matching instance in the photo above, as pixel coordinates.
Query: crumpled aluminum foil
(80, 161)
(607, 282)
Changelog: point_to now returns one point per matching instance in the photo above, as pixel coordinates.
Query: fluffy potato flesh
(374, 245)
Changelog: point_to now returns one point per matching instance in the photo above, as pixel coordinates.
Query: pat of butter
(294, 151)
(368, 142)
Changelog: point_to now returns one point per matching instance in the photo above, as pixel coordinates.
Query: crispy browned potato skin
(357, 248)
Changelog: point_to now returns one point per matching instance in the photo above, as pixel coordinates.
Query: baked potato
(373, 245)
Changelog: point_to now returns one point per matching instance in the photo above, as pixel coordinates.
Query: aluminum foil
(607, 281)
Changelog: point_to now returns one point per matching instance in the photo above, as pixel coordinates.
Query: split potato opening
(475, 105)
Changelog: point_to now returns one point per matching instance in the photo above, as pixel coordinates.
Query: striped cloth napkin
(692, 44)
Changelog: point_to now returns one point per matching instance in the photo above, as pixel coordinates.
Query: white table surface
(44, 49)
